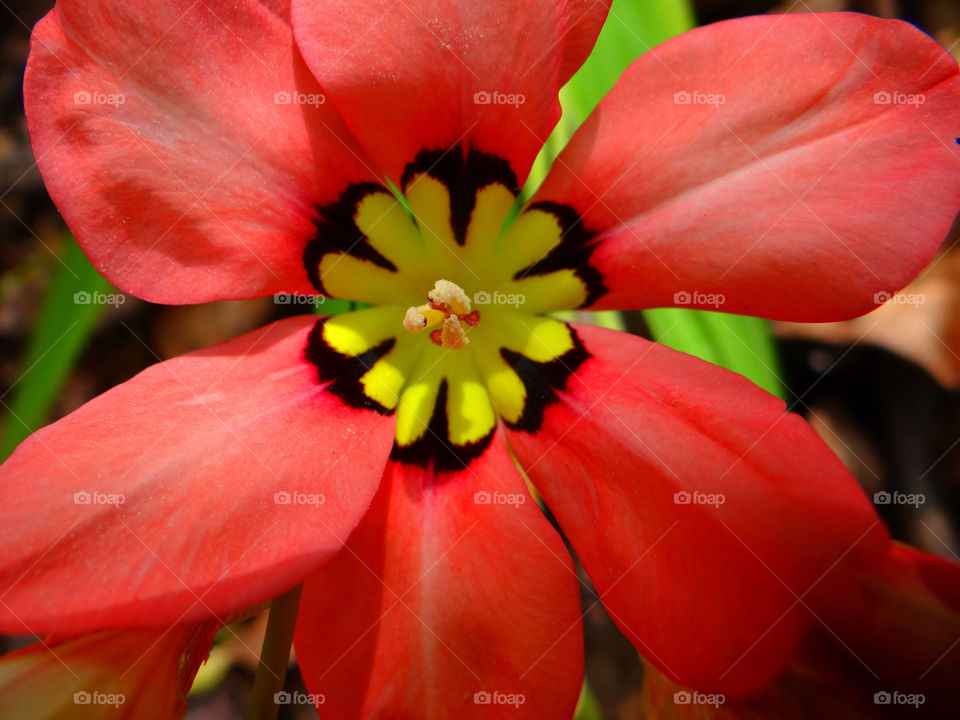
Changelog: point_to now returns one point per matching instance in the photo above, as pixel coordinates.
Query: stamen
(448, 304)
(450, 294)
(414, 321)
(452, 335)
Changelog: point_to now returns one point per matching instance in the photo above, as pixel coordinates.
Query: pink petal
(453, 599)
(801, 167)
(205, 484)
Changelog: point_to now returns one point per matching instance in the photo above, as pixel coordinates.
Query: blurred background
(881, 390)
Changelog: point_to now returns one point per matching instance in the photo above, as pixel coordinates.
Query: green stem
(275, 656)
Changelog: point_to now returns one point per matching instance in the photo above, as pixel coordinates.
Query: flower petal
(896, 649)
(454, 598)
(186, 144)
(699, 509)
(419, 75)
(113, 674)
(584, 22)
(800, 167)
(203, 485)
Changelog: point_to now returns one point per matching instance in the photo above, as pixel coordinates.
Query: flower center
(451, 223)
(447, 306)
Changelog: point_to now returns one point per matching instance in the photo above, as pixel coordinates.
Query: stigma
(448, 311)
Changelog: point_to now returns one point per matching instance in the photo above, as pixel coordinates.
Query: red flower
(218, 150)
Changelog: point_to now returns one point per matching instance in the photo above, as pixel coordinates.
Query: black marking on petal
(572, 253)
(464, 178)
(435, 446)
(542, 380)
(337, 232)
(343, 372)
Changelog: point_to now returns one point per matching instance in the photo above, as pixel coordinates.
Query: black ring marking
(464, 178)
(572, 253)
(435, 445)
(337, 232)
(343, 372)
(542, 380)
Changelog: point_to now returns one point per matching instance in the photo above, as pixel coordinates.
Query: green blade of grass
(63, 326)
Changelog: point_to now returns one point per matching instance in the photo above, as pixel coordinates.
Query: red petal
(160, 132)
(707, 592)
(238, 476)
(585, 20)
(419, 75)
(441, 597)
(803, 196)
(115, 674)
(899, 619)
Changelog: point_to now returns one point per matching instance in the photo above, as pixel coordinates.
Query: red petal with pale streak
(583, 26)
(198, 447)
(799, 197)
(406, 75)
(109, 675)
(198, 186)
(438, 597)
(707, 592)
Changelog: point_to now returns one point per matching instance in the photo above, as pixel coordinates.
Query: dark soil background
(881, 390)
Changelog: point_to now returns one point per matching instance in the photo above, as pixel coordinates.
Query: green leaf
(64, 324)
(738, 343)
(587, 707)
